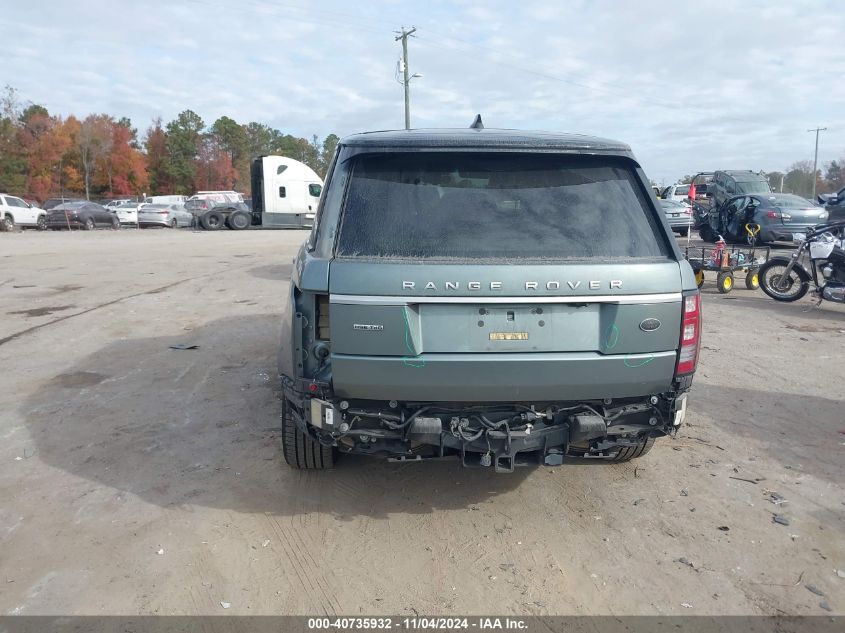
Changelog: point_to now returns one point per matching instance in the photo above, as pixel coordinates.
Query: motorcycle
(787, 279)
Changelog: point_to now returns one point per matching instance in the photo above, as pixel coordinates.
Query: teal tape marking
(410, 361)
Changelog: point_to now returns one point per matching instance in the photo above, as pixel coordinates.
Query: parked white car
(111, 204)
(16, 212)
(678, 193)
(172, 215)
(127, 212)
(165, 199)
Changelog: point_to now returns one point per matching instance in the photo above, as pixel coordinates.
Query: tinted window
(315, 190)
(495, 206)
(755, 186)
(682, 190)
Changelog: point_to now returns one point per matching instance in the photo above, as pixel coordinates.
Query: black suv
(729, 183)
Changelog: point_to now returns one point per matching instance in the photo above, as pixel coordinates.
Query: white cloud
(735, 85)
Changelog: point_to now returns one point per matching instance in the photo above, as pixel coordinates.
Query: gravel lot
(139, 479)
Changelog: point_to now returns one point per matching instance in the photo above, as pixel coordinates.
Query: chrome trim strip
(669, 297)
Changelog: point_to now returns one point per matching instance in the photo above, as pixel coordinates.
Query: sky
(689, 86)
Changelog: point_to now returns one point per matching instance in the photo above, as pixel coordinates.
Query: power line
(406, 79)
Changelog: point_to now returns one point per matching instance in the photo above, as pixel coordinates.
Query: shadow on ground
(201, 427)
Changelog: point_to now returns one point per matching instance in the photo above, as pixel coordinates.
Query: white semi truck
(285, 193)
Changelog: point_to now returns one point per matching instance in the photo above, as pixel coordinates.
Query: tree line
(100, 156)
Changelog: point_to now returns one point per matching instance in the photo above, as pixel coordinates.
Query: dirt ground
(139, 479)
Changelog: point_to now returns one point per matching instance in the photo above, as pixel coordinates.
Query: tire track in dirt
(308, 578)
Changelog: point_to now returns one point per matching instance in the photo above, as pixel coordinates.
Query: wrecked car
(497, 296)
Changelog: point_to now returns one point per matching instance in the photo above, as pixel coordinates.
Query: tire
(8, 224)
(174, 223)
(699, 278)
(752, 280)
(627, 453)
(770, 274)
(41, 224)
(239, 221)
(88, 224)
(212, 220)
(706, 233)
(725, 282)
(115, 224)
(301, 451)
(683, 232)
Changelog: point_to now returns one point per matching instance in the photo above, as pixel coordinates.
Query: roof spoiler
(477, 124)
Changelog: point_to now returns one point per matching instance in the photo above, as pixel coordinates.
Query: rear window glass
(752, 186)
(495, 206)
(788, 201)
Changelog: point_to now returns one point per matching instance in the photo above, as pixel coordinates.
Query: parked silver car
(678, 215)
(172, 215)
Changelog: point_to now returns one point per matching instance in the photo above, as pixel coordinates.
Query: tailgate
(504, 333)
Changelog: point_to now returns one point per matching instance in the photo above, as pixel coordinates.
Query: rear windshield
(752, 186)
(788, 201)
(495, 206)
(682, 190)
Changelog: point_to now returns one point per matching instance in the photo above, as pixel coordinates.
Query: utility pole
(816, 158)
(406, 80)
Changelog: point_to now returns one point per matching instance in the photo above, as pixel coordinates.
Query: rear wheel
(115, 224)
(699, 278)
(8, 224)
(301, 451)
(725, 282)
(752, 280)
(239, 221)
(212, 220)
(174, 223)
(707, 234)
(89, 224)
(41, 225)
(626, 453)
(683, 232)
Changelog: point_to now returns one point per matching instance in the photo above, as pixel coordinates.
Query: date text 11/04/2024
(418, 623)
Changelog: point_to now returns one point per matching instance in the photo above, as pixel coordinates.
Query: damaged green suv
(502, 297)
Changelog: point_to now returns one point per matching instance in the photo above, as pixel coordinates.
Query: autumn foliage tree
(43, 155)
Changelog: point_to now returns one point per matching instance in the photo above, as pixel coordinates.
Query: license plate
(508, 336)
(675, 215)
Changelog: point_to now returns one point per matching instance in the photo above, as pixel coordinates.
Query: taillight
(690, 334)
(773, 214)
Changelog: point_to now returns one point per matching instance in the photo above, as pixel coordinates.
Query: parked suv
(492, 295)
(836, 206)
(730, 183)
(16, 211)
